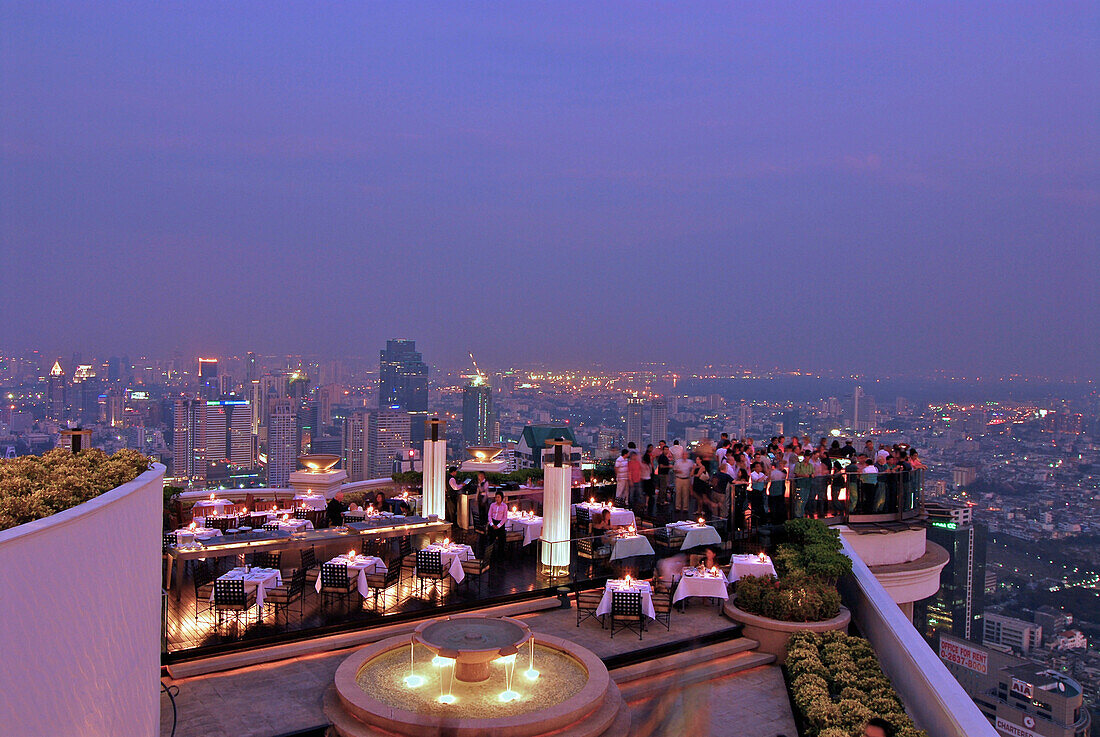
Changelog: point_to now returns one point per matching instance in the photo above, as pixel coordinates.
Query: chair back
(393, 575)
(584, 547)
(266, 560)
(297, 582)
(488, 555)
(662, 536)
(429, 562)
(169, 541)
(309, 558)
(584, 517)
(405, 547)
(271, 526)
(202, 574)
(475, 515)
(301, 513)
(334, 576)
(222, 523)
(318, 517)
(229, 592)
(626, 603)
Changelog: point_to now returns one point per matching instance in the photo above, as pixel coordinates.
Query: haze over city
(825, 188)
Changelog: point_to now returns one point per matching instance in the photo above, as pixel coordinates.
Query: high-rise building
(477, 414)
(56, 400)
(188, 454)
(1019, 635)
(1019, 698)
(744, 419)
(403, 382)
(388, 434)
(227, 432)
(282, 441)
(658, 420)
(634, 409)
(957, 607)
(356, 453)
(86, 389)
(402, 377)
(250, 368)
(208, 378)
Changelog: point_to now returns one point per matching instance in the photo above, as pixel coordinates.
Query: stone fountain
(475, 676)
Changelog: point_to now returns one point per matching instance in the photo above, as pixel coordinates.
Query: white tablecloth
(628, 547)
(360, 567)
(260, 579)
(750, 565)
(313, 501)
(619, 517)
(293, 525)
(207, 507)
(200, 533)
(695, 534)
(617, 584)
(452, 557)
(698, 585)
(531, 526)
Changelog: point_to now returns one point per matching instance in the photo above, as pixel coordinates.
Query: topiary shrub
(793, 598)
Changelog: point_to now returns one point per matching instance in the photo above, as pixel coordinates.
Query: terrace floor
(285, 697)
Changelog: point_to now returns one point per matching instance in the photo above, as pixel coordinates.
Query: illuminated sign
(1023, 688)
(945, 525)
(1013, 730)
(139, 395)
(968, 657)
(227, 402)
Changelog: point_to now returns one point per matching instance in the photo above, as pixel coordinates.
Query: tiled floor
(279, 698)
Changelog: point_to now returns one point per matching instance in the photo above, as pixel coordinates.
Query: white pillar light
(435, 468)
(557, 484)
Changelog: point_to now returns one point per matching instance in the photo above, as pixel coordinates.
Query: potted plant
(803, 598)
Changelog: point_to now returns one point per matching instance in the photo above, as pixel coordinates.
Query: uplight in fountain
(440, 662)
(447, 698)
(531, 674)
(508, 695)
(414, 681)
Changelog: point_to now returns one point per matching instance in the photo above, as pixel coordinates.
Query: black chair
(380, 583)
(169, 541)
(266, 560)
(584, 521)
(301, 513)
(663, 542)
(587, 603)
(662, 604)
(222, 523)
(283, 597)
(626, 612)
(336, 584)
(429, 567)
(203, 579)
(406, 559)
(480, 567)
(271, 526)
(476, 517)
(232, 600)
(592, 550)
(309, 564)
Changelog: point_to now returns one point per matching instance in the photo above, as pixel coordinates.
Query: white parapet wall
(932, 696)
(80, 617)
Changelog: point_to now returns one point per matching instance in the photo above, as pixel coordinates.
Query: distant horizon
(872, 188)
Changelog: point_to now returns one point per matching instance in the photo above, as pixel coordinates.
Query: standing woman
(777, 487)
(700, 484)
(648, 486)
(498, 517)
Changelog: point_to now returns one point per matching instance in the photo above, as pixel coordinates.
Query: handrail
(937, 703)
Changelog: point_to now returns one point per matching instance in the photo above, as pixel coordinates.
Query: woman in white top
(498, 518)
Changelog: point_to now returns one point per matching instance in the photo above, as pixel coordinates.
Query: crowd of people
(754, 484)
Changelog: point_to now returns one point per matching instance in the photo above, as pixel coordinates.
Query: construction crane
(480, 376)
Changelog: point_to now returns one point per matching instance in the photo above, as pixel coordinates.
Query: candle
(211, 497)
(286, 518)
(515, 508)
(446, 541)
(701, 520)
(351, 555)
(192, 525)
(763, 557)
(244, 511)
(592, 500)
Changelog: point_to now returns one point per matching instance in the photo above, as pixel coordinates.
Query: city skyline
(682, 178)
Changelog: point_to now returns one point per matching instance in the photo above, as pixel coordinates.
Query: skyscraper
(957, 607)
(188, 454)
(55, 393)
(356, 453)
(208, 377)
(209, 432)
(403, 382)
(634, 409)
(282, 440)
(477, 414)
(658, 420)
(388, 434)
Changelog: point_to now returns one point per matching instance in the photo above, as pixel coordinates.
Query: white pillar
(435, 468)
(557, 484)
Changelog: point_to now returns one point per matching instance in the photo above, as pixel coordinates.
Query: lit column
(557, 485)
(435, 468)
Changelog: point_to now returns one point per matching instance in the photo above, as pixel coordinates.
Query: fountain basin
(571, 691)
(472, 642)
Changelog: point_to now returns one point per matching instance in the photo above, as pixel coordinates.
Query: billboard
(962, 654)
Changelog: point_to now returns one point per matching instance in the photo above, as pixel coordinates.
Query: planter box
(773, 634)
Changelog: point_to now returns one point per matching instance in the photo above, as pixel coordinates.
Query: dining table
(620, 517)
(310, 501)
(619, 584)
(695, 535)
(628, 545)
(530, 524)
(452, 555)
(359, 566)
(259, 579)
(750, 565)
(698, 582)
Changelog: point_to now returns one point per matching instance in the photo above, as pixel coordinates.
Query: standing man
(454, 488)
(634, 476)
(777, 487)
(622, 477)
(663, 464)
(681, 470)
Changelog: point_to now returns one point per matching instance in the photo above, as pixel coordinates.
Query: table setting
(358, 565)
(696, 534)
(451, 555)
(310, 501)
(619, 517)
(528, 522)
(628, 544)
(699, 581)
(260, 579)
(750, 565)
(627, 584)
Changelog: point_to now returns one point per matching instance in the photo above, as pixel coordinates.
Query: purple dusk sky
(863, 186)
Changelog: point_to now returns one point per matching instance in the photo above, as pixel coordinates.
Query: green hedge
(415, 478)
(33, 487)
(836, 685)
(808, 564)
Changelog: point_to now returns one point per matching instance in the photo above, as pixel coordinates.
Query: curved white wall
(80, 617)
